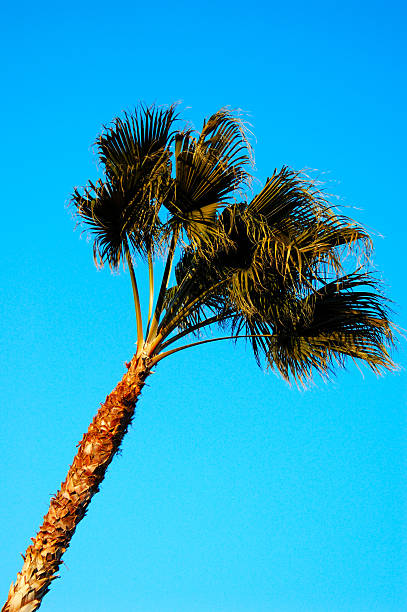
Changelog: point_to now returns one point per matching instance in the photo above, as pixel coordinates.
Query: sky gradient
(234, 492)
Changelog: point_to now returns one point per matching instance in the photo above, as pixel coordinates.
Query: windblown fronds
(285, 268)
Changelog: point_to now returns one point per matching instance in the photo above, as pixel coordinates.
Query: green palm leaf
(210, 168)
(139, 141)
(123, 209)
(345, 318)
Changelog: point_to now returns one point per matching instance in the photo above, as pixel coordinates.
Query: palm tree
(282, 269)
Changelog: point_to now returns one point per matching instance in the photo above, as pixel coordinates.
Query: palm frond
(209, 168)
(100, 208)
(288, 235)
(345, 318)
(138, 141)
(291, 209)
(135, 154)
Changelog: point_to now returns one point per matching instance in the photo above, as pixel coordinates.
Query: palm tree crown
(282, 269)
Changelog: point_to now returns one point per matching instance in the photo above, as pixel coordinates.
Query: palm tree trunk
(68, 507)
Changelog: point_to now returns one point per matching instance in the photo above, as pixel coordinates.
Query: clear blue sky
(234, 492)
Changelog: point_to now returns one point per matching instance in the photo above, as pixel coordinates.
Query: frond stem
(193, 328)
(163, 288)
(151, 289)
(139, 320)
(161, 356)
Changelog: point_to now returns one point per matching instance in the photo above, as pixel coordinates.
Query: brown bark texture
(68, 507)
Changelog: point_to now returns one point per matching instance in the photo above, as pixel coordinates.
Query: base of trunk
(68, 507)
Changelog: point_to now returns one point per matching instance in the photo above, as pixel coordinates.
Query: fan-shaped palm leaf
(137, 141)
(347, 317)
(123, 209)
(209, 169)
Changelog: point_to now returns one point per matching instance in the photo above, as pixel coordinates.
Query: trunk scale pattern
(68, 507)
